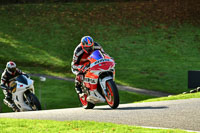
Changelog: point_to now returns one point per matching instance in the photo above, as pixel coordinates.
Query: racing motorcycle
(98, 85)
(23, 95)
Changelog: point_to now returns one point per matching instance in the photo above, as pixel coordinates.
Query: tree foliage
(58, 1)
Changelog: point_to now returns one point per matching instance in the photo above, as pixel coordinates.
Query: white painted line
(168, 128)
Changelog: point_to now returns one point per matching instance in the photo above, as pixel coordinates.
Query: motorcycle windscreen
(22, 79)
(96, 55)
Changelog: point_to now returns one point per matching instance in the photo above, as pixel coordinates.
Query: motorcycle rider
(81, 52)
(9, 74)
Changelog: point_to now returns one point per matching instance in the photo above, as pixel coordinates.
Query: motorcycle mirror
(42, 79)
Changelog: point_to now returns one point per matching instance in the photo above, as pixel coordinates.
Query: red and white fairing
(98, 63)
(99, 83)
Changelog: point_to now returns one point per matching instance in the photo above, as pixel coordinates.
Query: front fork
(103, 84)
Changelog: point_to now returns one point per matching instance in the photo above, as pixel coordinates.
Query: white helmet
(11, 66)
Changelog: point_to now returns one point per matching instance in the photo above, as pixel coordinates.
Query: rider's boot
(15, 109)
(9, 102)
(8, 98)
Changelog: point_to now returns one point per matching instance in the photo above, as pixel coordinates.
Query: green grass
(57, 94)
(38, 126)
(175, 97)
(41, 38)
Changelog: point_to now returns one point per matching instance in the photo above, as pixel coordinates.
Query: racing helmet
(87, 44)
(11, 66)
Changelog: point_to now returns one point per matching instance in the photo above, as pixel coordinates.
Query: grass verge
(175, 97)
(38, 126)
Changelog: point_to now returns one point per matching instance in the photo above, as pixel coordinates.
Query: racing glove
(79, 77)
(83, 68)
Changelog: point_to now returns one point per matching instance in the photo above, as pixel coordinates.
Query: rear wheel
(32, 101)
(112, 97)
(84, 103)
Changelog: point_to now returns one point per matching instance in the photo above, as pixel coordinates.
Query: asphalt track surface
(179, 114)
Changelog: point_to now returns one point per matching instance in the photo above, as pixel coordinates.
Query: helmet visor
(89, 49)
(12, 69)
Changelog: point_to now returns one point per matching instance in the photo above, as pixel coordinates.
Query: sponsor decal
(89, 80)
(101, 60)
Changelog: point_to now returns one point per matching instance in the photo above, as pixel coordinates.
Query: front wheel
(32, 101)
(112, 97)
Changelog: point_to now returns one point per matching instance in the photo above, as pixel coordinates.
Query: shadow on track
(132, 108)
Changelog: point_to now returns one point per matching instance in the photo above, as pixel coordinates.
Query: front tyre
(32, 101)
(84, 103)
(112, 97)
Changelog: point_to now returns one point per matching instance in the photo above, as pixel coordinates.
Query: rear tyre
(32, 101)
(112, 97)
(84, 103)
